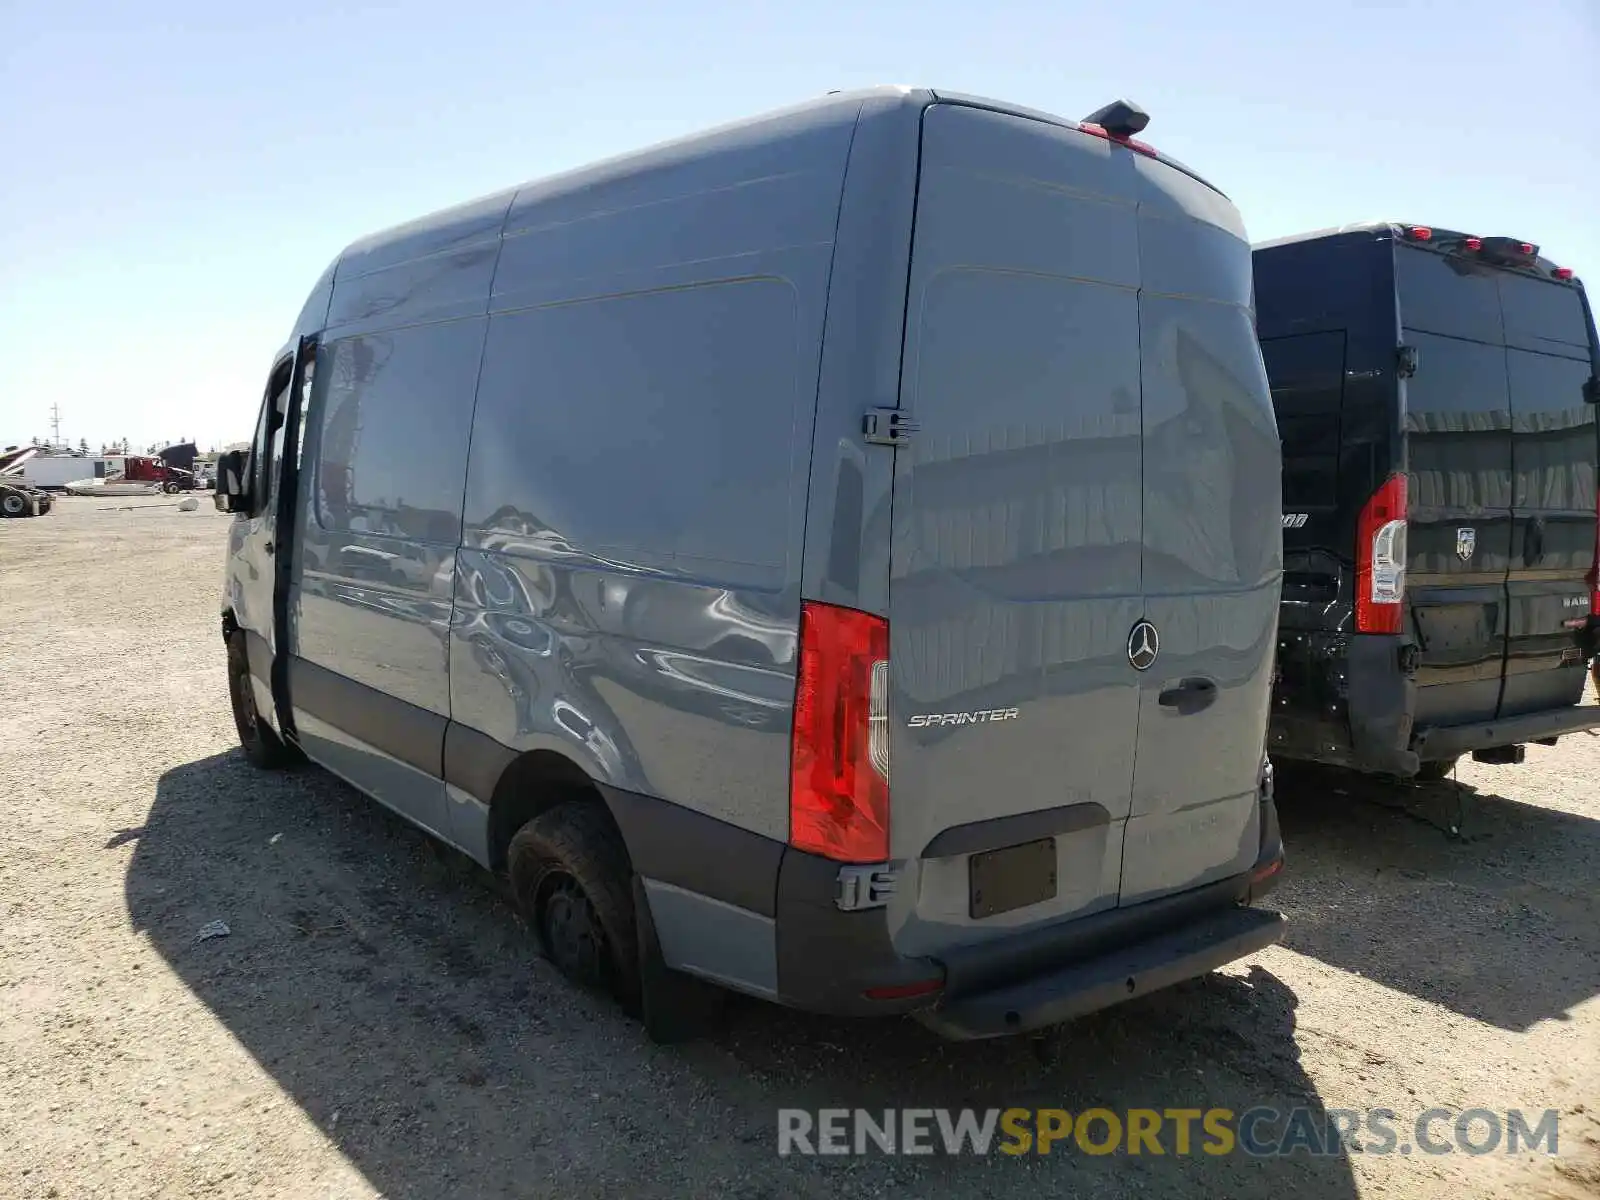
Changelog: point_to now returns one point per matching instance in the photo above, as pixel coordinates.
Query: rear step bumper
(1072, 991)
(1449, 741)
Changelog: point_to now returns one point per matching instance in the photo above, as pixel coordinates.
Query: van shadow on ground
(378, 978)
(1499, 924)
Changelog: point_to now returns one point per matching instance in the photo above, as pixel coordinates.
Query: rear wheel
(170, 489)
(13, 504)
(1435, 772)
(572, 880)
(261, 745)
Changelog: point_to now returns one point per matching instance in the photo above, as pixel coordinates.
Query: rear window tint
(1458, 422)
(1555, 430)
(1541, 315)
(1307, 377)
(1439, 295)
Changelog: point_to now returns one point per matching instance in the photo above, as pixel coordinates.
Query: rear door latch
(887, 427)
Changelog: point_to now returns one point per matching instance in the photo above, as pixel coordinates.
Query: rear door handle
(1190, 696)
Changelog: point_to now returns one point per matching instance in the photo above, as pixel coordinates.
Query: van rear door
(1553, 452)
(1029, 541)
(1212, 555)
(1457, 422)
(1017, 531)
(1502, 451)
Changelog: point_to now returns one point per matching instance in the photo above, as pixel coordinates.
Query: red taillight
(839, 768)
(1100, 131)
(1420, 233)
(1381, 559)
(904, 991)
(1562, 272)
(1263, 873)
(1472, 243)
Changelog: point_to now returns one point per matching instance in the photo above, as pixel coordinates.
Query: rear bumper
(1346, 702)
(829, 961)
(1072, 991)
(1449, 741)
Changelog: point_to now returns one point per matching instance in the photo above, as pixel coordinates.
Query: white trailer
(58, 470)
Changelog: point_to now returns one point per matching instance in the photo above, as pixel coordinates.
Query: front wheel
(260, 744)
(573, 883)
(13, 504)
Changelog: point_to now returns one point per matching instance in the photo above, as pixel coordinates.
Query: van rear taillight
(839, 765)
(1381, 559)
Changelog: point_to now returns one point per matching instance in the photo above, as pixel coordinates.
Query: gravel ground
(376, 1023)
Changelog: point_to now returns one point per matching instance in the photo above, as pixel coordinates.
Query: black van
(1436, 396)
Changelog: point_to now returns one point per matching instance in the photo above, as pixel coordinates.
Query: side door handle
(1190, 696)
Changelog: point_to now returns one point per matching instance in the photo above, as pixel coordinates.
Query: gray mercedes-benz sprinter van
(632, 530)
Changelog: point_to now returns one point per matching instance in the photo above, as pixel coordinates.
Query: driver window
(266, 448)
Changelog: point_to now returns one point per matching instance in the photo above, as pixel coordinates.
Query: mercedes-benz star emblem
(1144, 643)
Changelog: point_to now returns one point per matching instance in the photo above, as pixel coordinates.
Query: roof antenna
(1120, 118)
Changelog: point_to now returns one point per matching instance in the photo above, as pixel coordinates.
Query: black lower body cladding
(830, 960)
(1347, 701)
(1344, 700)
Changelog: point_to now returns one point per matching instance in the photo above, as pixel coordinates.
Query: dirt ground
(376, 1022)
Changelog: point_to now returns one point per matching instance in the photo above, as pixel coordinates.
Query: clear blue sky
(176, 174)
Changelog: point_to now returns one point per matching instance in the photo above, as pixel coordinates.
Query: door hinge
(1405, 361)
(887, 427)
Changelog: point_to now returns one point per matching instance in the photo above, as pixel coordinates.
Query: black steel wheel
(573, 883)
(261, 745)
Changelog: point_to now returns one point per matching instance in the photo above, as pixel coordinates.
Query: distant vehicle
(1436, 394)
(19, 499)
(45, 471)
(585, 564)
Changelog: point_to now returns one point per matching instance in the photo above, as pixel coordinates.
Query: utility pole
(55, 424)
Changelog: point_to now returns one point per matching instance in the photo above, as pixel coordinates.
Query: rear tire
(573, 883)
(260, 744)
(1436, 772)
(13, 504)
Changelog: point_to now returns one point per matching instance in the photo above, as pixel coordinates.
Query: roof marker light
(1471, 243)
(1526, 247)
(1562, 272)
(1420, 233)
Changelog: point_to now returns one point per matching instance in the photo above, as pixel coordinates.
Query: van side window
(1307, 376)
(591, 415)
(393, 425)
(267, 441)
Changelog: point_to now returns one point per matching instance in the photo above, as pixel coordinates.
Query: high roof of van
(485, 218)
(1432, 236)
